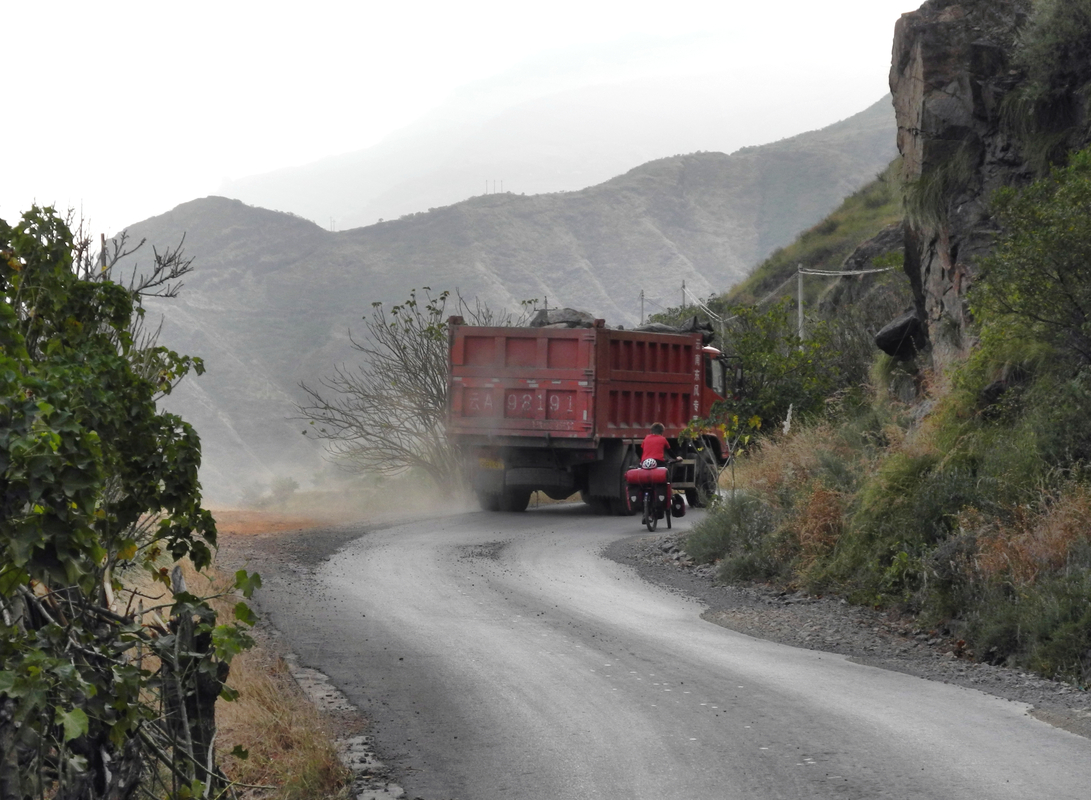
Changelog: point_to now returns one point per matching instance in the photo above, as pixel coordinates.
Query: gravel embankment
(877, 638)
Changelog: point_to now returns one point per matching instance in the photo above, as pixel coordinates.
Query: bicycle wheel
(649, 512)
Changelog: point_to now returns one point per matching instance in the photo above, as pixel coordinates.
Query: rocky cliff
(949, 74)
(979, 106)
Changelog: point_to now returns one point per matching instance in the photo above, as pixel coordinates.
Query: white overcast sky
(123, 110)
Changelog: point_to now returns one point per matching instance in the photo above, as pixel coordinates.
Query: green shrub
(1045, 627)
(1061, 420)
(1036, 284)
(737, 529)
(908, 507)
(780, 370)
(836, 471)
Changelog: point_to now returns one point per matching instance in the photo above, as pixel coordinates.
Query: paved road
(501, 657)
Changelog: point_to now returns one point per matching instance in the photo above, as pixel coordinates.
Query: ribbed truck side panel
(646, 378)
(572, 383)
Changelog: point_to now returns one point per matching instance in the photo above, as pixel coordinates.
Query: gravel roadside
(876, 638)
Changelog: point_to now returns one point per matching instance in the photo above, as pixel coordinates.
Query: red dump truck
(564, 410)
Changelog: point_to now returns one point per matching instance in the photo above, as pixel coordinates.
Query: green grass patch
(859, 217)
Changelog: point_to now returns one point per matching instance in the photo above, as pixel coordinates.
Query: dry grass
(783, 463)
(291, 746)
(1037, 541)
(235, 522)
(819, 525)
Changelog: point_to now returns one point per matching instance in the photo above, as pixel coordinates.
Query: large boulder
(903, 338)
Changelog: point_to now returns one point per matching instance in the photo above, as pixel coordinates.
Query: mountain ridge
(558, 142)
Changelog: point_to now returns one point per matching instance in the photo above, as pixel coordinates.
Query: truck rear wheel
(515, 500)
(488, 501)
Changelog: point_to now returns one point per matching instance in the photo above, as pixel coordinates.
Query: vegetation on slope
(826, 245)
(962, 500)
(974, 514)
(757, 321)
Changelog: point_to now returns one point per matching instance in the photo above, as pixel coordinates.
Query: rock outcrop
(855, 289)
(951, 70)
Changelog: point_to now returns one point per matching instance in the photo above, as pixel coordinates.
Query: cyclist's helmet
(648, 463)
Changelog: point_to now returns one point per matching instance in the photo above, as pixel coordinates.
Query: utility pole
(641, 306)
(683, 293)
(799, 300)
(103, 240)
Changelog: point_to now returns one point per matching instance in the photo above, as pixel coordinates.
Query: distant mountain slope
(559, 142)
(273, 296)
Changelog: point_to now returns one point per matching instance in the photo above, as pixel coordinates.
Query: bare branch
(389, 414)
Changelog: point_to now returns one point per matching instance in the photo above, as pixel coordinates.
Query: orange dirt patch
(233, 522)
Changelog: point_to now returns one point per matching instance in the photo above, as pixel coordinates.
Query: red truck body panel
(572, 383)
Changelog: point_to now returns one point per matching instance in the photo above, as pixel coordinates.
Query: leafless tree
(389, 414)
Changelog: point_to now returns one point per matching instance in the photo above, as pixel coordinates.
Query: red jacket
(655, 446)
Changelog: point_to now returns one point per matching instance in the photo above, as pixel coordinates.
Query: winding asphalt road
(500, 656)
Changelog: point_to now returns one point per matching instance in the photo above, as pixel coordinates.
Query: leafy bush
(1046, 627)
(95, 483)
(736, 531)
(780, 370)
(1037, 281)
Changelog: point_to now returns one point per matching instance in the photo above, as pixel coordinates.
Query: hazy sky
(125, 109)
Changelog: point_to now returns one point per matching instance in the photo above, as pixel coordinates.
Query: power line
(697, 302)
(843, 273)
(771, 294)
(800, 271)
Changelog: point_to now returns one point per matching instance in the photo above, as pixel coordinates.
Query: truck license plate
(490, 463)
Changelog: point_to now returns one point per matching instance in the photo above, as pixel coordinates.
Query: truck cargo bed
(583, 383)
